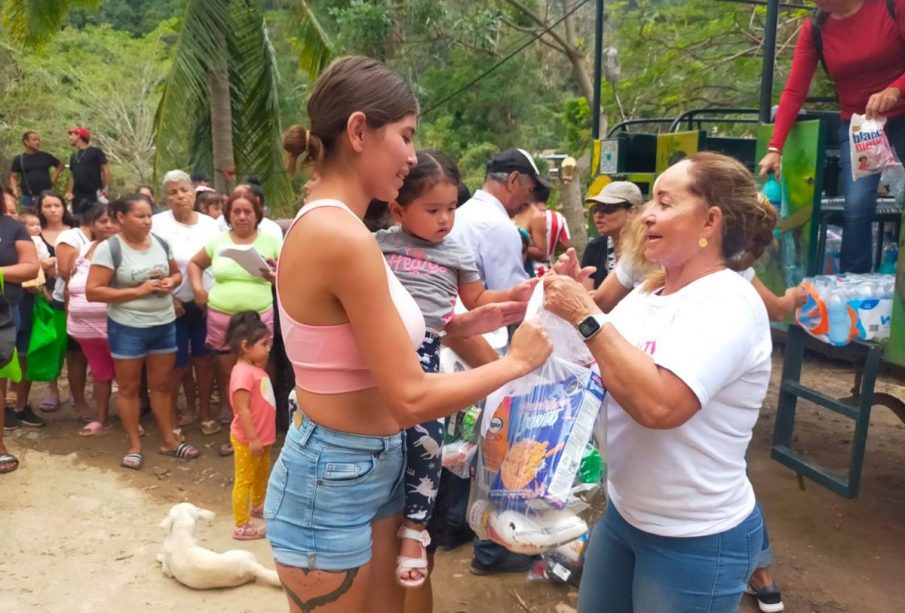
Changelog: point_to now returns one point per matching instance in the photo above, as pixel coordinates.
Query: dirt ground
(79, 534)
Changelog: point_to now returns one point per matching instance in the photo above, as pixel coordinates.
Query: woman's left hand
(881, 102)
(567, 298)
(166, 285)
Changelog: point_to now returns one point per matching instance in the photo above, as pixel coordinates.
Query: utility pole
(598, 70)
(766, 77)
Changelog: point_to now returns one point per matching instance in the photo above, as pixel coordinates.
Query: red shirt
(864, 54)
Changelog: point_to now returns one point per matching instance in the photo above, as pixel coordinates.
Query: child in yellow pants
(253, 429)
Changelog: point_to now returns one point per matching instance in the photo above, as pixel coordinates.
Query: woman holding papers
(238, 286)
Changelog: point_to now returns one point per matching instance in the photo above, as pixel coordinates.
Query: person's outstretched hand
(569, 266)
(530, 347)
(487, 318)
(770, 163)
(568, 298)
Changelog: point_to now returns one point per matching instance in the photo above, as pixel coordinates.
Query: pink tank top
(327, 359)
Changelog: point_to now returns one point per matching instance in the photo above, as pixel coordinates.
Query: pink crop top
(327, 359)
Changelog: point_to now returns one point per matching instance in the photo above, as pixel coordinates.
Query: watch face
(588, 327)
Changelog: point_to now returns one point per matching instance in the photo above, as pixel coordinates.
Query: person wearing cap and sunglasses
(612, 208)
(89, 172)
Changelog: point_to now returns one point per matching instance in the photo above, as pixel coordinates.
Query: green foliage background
(674, 56)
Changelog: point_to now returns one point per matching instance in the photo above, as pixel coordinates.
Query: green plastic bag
(47, 346)
(8, 355)
(12, 370)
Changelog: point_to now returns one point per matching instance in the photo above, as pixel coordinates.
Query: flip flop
(248, 532)
(210, 427)
(186, 419)
(8, 463)
(132, 461)
(50, 403)
(225, 450)
(183, 452)
(95, 427)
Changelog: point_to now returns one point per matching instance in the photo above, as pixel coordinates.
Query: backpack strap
(818, 18)
(116, 251)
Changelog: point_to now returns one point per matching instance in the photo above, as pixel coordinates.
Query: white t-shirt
(690, 481)
(76, 238)
(185, 241)
(267, 226)
(484, 228)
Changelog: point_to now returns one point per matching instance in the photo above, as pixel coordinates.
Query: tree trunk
(573, 207)
(221, 122)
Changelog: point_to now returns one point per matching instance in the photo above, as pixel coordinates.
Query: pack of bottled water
(845, 307)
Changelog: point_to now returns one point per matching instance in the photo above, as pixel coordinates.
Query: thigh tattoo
(307, 606)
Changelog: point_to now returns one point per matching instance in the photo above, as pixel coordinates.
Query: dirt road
(79, 534)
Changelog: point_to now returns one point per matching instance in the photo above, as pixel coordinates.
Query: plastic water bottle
(890, 257)
(773, 193)
(840, 325)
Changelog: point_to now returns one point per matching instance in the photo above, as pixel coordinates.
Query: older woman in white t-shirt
(686, 362)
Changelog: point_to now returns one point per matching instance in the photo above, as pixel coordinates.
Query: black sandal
(183, 451)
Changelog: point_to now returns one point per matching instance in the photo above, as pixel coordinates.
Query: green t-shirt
(135, 268)
(234, 288)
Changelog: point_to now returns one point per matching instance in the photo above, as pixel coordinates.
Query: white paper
(247, 257)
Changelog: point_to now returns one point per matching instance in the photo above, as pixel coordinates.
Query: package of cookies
(548, 430)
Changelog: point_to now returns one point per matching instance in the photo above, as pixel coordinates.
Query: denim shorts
(191, 332)
(129, 343)
(325, 490)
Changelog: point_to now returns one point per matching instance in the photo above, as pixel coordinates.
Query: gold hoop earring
(702, 242)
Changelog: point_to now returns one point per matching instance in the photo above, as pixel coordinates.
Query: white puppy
(200, 568)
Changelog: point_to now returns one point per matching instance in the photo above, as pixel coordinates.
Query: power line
(504, 60)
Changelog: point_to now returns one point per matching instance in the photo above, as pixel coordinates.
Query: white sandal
(404, 564)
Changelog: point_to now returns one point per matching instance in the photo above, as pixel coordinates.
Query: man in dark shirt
(89, 173)
(31, 169)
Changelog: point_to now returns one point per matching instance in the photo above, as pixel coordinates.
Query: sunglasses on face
(607, 208)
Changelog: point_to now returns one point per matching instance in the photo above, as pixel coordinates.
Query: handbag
(47, 346)
(9, 358)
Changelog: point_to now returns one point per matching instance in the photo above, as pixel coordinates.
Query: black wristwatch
(591, 325)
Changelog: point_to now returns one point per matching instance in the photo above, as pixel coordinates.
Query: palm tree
(221, 89)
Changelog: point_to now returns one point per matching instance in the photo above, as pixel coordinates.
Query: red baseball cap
(83, 133)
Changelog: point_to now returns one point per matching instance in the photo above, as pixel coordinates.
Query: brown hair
(243, 193)
(349, 84)
(748, 220)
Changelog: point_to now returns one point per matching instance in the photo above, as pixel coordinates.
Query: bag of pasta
(534, 435)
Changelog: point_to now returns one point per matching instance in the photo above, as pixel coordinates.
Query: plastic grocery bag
(869, 148)
(529, 458)
(47, 346)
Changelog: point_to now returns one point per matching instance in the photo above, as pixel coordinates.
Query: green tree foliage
(97, 77)
(675, 55)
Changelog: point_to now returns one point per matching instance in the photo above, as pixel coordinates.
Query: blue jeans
(861, 200)
(325, 490)
(131, 343)
(628, 570)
